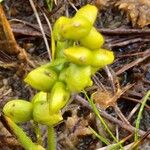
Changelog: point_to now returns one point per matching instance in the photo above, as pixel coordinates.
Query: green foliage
(49, 4)
(140, 115)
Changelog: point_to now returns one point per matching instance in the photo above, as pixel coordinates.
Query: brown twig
(132, 64)
(6, 35)
(121, 31)
(129, 41)
(135, 100)
(111, 118)
(41, 27)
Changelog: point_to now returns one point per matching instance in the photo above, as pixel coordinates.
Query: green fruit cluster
(78, 55)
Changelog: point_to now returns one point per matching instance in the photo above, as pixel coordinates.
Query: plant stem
(37, 132)
(51, 138)
(140, 115)
(104, 140)
(96, 111)
(25, 141)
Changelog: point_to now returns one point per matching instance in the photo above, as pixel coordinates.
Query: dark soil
(131, 46)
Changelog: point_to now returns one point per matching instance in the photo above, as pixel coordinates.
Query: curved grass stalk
(140, 115)
(24, 140)
(96, 111)
(104, 140)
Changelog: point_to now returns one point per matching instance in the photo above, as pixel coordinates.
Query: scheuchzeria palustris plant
(78, 55)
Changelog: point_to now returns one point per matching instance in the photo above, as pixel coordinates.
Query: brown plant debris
(7, 40)
(137, 10)
(105, 98)
(103, 3)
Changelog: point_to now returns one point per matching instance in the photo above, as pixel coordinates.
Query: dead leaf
(106, 99)
(137, 10)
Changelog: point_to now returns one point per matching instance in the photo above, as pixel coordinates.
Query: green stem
(51, 138)
(104, 140)
(96, 111)
(140, 115)
(25, 141)
(37, 132)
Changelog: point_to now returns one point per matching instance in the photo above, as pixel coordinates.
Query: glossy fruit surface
(88, 11)
(59, 97)
(76, 28)
(94, 40)
(102, 57)
(18, 110)
(39, 97)
(78, 77)
(78, 55)
(41, 79)
(58, 26)
(43, 115)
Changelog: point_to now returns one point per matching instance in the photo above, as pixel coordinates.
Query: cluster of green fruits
(78, 55)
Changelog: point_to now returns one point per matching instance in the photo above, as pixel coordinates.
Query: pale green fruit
(58, 26)
(102, 57)
(59, 97)
(39, 97)
(76, 28)
(88, 11)
(41, 78)
(43, 115)
(78, 55)
(78, 77)
(18, 110)
(94, 40)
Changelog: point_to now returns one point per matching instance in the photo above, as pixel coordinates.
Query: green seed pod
(39, 97)
(78, 55)
(18, 110)
(78, 77)
(77, 28)
(59, 97)
(41, 78)
(94, 40)
(88, 11)
(102, 57)
(43, 115)
(58, 26)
